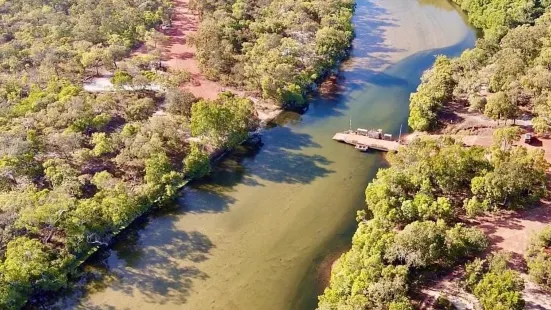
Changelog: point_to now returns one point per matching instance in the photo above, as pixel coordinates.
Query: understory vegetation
(538, 258)
(277, 47)
(494, 284)
(76, 167)
(412, 222)
(507, 74)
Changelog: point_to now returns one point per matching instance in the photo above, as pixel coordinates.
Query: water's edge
(256, 234)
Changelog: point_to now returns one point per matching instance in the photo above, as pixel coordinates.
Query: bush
(443, 303)
(538, 258)
(196, 163)
(495, 285)
(500, 291)
(179, 102)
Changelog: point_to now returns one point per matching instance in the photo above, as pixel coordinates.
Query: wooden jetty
(353, 138)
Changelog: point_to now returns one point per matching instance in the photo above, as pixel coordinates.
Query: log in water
(260, 232)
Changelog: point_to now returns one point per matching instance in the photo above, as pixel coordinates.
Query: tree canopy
(251, 44)
(508, 71)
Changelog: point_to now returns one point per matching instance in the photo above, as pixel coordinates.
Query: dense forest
(76, 167)
(412, 228)
(504, 76)
(277, 47)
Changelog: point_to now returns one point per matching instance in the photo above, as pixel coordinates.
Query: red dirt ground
(178, 54)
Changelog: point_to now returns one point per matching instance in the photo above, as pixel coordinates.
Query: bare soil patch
(508, 231)
(179, 54)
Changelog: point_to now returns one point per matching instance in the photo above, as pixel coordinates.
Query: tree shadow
(369, 48)
(153, 257)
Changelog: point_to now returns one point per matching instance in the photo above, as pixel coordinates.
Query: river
(261, 232)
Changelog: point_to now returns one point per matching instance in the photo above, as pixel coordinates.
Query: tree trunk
(50, 235)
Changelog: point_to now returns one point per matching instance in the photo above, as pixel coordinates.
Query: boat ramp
(364, 140)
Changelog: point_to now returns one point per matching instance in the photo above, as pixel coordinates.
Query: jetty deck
(376, 144)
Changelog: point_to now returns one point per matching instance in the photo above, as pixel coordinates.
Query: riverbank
(245, 237)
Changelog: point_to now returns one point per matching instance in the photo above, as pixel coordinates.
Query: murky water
(256, 234)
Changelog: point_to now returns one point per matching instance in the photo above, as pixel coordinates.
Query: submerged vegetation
(411, 222)
(277, 47)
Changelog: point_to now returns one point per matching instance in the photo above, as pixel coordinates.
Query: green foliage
(507, 69)
(162, 182)
(121, 78)
(140, 109)
(474, 271)
(538, 258)
(419, 193)
(420, 187)
(443, 303)
(420, 244)
(197, 162)
(281, 55)
(76, 167)
(179, 102)
(27, 263)
(410, 205)
(464, 242)
(435, 90)
(517, 180)
(225, 122)
(541, 126)
(401, 305)
(102, 144)
(500, 291)
(494, 284)
(499, 106)
(505, 137)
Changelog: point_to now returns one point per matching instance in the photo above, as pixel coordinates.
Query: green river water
(262, 231)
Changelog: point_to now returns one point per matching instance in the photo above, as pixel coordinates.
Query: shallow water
(259, 233)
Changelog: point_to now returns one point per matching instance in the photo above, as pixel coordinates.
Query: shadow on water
(281, 161)
(148, 256)
(402, 79)
(158, 259)
(369, 48)
(163, 277)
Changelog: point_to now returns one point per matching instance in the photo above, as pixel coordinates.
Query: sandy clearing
(179, 54)
(508, 231)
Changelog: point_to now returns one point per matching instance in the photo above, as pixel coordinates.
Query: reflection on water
(255, 234)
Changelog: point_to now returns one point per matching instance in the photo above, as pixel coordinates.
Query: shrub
(538, 258)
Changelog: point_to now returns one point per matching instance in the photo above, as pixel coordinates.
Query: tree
(102, 144)
(93, 58)
(541, 126)
(140, 109)
(500, 107)
(121, 78)
(505, 137)
(538, 258)
(225, 122)
(197, 162)
(518, 179)
(420, 244)
(162, 182)
(179, 102)
(500, 291)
